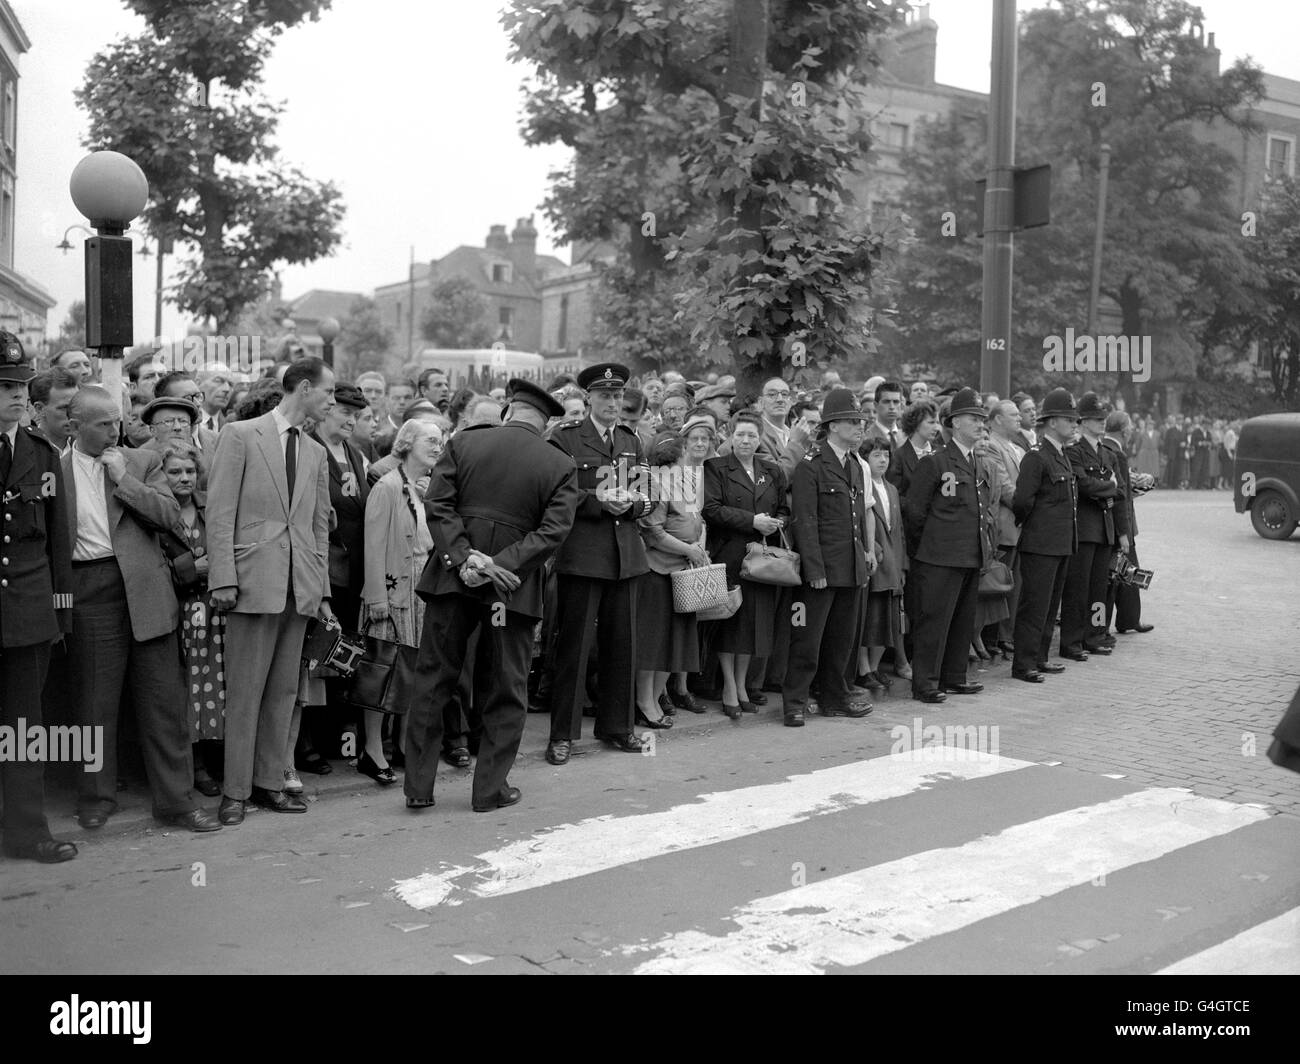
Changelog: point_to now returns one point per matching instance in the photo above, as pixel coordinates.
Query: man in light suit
(268, 548)
(1005, 454)
(125, 614)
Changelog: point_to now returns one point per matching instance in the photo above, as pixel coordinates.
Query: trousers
(945, 598)
(600, 613)
(820, 647)
(1042, 580)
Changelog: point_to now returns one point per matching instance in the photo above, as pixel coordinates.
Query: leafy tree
(457, 315)
(364, 338)
(72, 333)
(182, 100)
(713, 140)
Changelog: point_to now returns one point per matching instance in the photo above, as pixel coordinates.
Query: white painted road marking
(1270, 948)
(851, 919)
(601, 843)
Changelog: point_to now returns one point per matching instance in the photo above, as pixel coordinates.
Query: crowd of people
(167, 550)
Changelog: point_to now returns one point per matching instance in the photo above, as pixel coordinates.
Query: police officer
(501, 500)
(1044, 507)
(946, 515)
(834, 536)
(597, 567)
(1103, 526)
(35, 600)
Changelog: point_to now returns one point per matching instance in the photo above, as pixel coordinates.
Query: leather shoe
(871, 682)
(631, 743)
(758, 698)
(962, 688)
(795, 719)
(1032, 676)
(457, 756)
(48, 851)
(1102, 649)
(1139, 628)
(277, 801)
(506, 796)
(933, 697)
(1050, 666)
(194, 820)
(557, 751)
(1075, 655)
(231, 811)
(683, 700)
(92, 818)
(207, 786)
(852, 709)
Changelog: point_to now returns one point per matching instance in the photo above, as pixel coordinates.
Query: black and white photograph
(628, 487)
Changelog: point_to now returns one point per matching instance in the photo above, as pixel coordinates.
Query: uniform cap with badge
(602, 376)
(519, 390)
(1093, 407)
(14, 364)
(966, 401)
(1059, 402)
(841, 404)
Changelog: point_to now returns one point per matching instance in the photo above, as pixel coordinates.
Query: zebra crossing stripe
(1270, 948)
(600, 843)
(851, 919)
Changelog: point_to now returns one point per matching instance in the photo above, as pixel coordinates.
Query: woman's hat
(349, 395)
(698, 421)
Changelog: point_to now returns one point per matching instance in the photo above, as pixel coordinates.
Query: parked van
(1266, 474)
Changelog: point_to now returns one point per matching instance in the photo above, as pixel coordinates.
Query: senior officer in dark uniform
(501, 500)
(1044, 507)
(35, 599)
(1103, 526)
(834, 536)
(596, 569)
(946, 516)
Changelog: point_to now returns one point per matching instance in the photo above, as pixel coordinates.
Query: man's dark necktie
(291, 460)
(6, 458)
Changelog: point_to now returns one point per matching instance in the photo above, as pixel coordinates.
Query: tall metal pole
(999, 206)
(158, 293)
(1094, 293)
(410, 318)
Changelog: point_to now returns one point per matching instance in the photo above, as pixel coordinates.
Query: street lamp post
(110, 190)
(328, 330)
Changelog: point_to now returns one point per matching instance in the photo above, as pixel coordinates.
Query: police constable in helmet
(1044, 507)
(946, 517)
(35, 600)
(1103, 527)
(597, 567)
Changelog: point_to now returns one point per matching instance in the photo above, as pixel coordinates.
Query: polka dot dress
(203, 632)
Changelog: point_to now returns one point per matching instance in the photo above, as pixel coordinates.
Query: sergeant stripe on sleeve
(62, 601)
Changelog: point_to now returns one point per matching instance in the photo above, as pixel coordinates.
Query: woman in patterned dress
(397, 545)
(202, 628)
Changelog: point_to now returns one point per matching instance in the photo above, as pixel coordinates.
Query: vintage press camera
(1123, 571)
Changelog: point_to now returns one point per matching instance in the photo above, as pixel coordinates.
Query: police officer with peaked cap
(1103, 525)
(35, 599)
(596, 569)
(501, 500)
(946, 517)
(1044, 507)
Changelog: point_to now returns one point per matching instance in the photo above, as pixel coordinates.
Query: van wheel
(1273, 516)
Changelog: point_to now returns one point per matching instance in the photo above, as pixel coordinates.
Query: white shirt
(1060, 448)
(965, 451)
(13, 438)
(1031, 436)
(94, 540)
(839, 454)
(894, 435)
(882, 494)
(282, 426)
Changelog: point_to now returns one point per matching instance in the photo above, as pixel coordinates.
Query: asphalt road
(1120, 818)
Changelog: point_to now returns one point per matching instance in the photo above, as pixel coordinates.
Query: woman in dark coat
(884, 603)
(920, 424)
(746, 498)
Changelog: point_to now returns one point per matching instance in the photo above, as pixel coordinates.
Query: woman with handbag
(746, 499)
(884, 605)
(920, 424)
(397, 545)
(673, 534)
(202, 628)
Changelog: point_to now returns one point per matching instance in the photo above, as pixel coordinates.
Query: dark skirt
(884, 619)
(749, 630)
(667, 641)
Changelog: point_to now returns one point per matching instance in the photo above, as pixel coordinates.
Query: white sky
(412, 109)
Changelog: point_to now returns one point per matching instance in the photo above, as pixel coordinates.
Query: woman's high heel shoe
(367, 767)
(731, 711)
(646, 722)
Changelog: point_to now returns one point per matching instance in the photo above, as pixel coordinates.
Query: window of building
(501, 273)
(1279, 160)
(895, 135)
(398, 308)
(10, 112)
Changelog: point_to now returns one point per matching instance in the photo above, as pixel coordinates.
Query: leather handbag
(996, 580)
(724, 610)
(764, 564)
(699, 588)
(384, 679)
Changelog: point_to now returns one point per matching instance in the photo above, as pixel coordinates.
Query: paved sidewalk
(1191, 704)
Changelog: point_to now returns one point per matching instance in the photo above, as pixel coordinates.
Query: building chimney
(1212, 56)
(523, 248)
(912, 55)
(496, 240)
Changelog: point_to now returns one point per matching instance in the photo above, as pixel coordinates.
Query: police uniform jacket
(35, 548)
(505, 491)
(602, 545)
(830, 519)
(946, 511)
(1122, 471)
(1101, 513)
(1044, 502)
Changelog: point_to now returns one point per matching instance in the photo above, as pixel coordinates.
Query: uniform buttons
(4, 561)
(4, 583)
(9, 517)
(6, 539)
